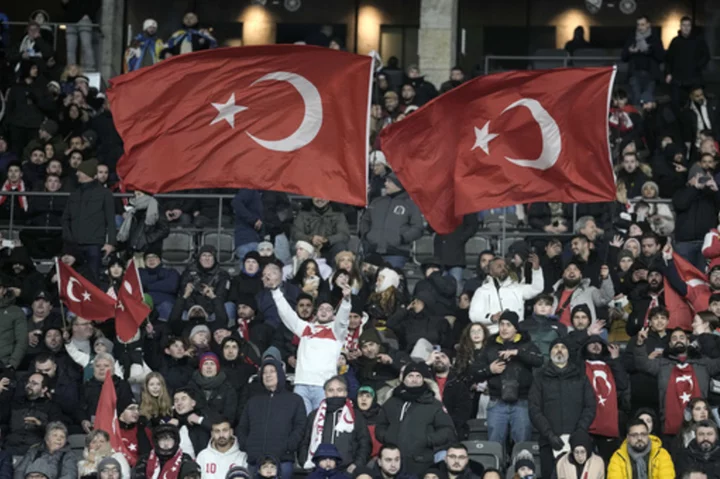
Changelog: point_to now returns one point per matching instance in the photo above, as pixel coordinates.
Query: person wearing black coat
(703, 452)
(91, 389)
(172, 362)
(439, 289)
(415, 420)
(553, 218)
(696, 209)
(63, 381)
(272, 423)
(644, 53)
(378, 363)
(179, 210)
(251, 326)
(204, 271)
(144, 467)
(561, 401)
(643, 295)
(211, 382)
(27, 104)
(700, 113)
(686, 58)
(454, 392)
(193, 419)
(44, 212)
(25, 278)
(415, 322)
(239, 360)
(249, 281)
(143, 228)
(450, 248)
(354, 446)
(670, 169)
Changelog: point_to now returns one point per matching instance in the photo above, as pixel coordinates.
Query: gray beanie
(109, 461)
(105, 342)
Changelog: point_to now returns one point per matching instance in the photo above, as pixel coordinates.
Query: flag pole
(62, 306)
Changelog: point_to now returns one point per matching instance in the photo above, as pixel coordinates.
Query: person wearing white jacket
(222, 452)
(320, 341)
(500, 292)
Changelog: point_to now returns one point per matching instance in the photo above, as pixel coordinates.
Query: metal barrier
(55, 26)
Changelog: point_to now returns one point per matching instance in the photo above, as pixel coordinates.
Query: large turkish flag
(506, 139)
(81, 296)
(130, 310)
(278, 117)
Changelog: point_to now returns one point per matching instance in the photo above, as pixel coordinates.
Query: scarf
(606, 409)
(19, 187)
(139, 203)
(171, 469)
(346, 423)
(244, 328)
(639, 460)
(681, 388)
(206, 383)
(408, 394)
(641, 40)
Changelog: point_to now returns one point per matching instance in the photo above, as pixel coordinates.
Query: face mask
(334, 404)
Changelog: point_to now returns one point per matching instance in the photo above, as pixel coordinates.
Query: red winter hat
(209, 357)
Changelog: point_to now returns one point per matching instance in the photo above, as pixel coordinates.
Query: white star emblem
(227, 111)
(86, 296)
(685, 397)
(132, 447)
(121, 306)
(173, 469)
(601, 400)
(483, 137)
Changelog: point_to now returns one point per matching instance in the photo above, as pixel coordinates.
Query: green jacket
(13, 332)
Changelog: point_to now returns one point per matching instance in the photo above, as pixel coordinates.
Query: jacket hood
(40, 467)
(233, 449)
(280, 372)
(655, 446)
(566, 373)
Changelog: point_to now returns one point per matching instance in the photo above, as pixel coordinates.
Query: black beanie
(247, 300)
(581, 307)
(413, 367)
(511, 317)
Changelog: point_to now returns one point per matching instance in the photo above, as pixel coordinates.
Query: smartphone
(436, 348)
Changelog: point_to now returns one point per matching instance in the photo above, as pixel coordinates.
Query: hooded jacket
(13, 332)
(272, 422)
(214, 463)
(585, 294)
(89, 216)
(420, 427)
(660, 465)
(215, 277)
(561, 401)
(391, 224)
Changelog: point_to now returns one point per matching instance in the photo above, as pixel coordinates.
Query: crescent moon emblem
(602, 375)
(128, 286)
(69, 290)
(312, 119)
(552, 143)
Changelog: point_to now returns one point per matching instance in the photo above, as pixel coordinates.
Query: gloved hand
(556, 443)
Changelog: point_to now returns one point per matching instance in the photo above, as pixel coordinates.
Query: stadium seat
(226, 249)
(547, 64)
(478, 429)
(76, 441)
(354, 244)
(590, 52)
(505, 245)
(178, 247)
(424, 249)
(494, 222)
(489, 454)
(473, 248)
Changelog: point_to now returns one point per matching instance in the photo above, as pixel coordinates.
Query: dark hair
(457, 445)
(545, 298)
(305, 296)
(337, 378)
(710, 318)
(174, 339)
(620, 94)
(706, 423)
(658, 311)
(217, 420)
(650, 235)
(686, 19)
(38, 148)
(714, 298)
(640, 17)
(491, 470)
(637, 422)
(388, 446)
(458, 68)
(44, 357)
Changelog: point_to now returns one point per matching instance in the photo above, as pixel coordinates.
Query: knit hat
(252, 255)
(124, 401)
(520, 463)
(55, 85)
(363, 471)
(370, 335)
(393, 177)
(325, 451)
(580, 307)
(572, 261)
(154, 249)
(374, 259)
(425, 296)
(198, 329)
(272, 352)
(209, 357)
(207, 248)
(105, 342)
(415, 367)
(266, 245)
(626, 253)
(304, 245)
(108, 461)
(247, 300)
(557, 341)
(89, 167)
(149, 23)
(50, 127)
(511, 317)
(190, 469)
(238, 472)
(366, 390)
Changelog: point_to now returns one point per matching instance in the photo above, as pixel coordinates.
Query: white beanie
(390, 278)
(149, 23)
(306, 246)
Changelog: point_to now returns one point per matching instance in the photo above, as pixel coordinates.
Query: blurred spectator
(457, 77)
(424, 90)
(191, 37)
(644, 52)
(143, 228)
(696, 208)
(686, 58)
(79, 17)
(323, 227)
(145, 49)
(160, 282)
(51, 458)
(16, 204)
(247, 206)
(700, 114)
(34, 46)
(578, 41)
(27, 105)
(98, 453)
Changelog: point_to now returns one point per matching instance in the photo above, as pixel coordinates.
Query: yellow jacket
(661, 465)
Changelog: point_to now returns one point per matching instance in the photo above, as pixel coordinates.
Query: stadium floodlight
(293, 5)
(628, 7)
(593, 6)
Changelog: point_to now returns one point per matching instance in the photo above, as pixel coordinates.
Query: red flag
(606, 409)
(276, 117)
(130, 311)
(698, 290)
(106, 415)
(682, 386)
(81, 296)
(506, 139)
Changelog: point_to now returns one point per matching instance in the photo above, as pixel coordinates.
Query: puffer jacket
(215, 277)
(660, 463)
(219, 394)
(519, 367)
(585, 294)
(561, 401)
(272, 423)
(391, 224)
(24, 435)
(13, 332)
(594, 468)
(89, 216)
(61, 464)
(328, 223)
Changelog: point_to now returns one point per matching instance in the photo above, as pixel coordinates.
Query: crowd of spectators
(320, 357)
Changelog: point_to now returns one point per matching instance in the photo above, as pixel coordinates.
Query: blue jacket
(6, 465)
(247, 205)
(266, 304)
(160, 283)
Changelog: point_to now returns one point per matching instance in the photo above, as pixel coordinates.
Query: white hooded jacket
(214, 464)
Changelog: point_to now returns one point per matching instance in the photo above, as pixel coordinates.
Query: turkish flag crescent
(130, 310)
(106, 414)
(506, 139)
(277, 117)
(81, 296)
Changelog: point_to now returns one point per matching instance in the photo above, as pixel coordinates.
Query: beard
(571, 283)
(655, 287)
(678, 348)
(440, 367)
(640, 447)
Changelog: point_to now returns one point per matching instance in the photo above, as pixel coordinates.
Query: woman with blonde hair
(156, 403)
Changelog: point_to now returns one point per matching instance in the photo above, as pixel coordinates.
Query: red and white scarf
(19, 187)
(345, 424)
(681, 388)
(171, 469)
